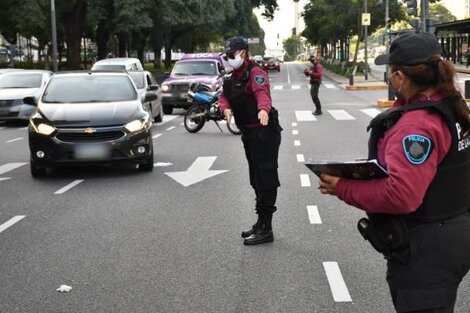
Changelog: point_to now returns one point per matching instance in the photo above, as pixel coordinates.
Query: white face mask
(236, 63)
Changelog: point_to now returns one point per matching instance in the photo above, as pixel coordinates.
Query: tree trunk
(168, 46)
(122, 41)
(74, 25)
(102, 38)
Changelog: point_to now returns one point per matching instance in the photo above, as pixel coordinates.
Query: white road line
(304, 180)
(2, 128)
(297, 143)
(182, 124)
(295, 87)
(68, 187)
(304, 116)
(288, 75)
(295, 132)
(162, 164)
(337, 285)
(170, 128)
(294, 124)
(300, 158)
(313, 214)
(11, 222)
(371, 112)
(330, 86)
(16, 139)
(4, 178)
(341, 115)
(156, 136)
(9, 167)
(278, 87)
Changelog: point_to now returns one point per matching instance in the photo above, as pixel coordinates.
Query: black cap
(411, 48)
(235, 44)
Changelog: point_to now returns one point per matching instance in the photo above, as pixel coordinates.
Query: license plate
(183, 95)
(92, 151)
(4, 111)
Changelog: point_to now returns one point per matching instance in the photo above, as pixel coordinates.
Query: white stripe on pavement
(294, 124)
(156, 136)
(4, 178)
(170, 128)
(341, 115)
(279, 87)
(304, 180)
(313, 214)
(295, 87)
(11, 222)
(337, 285)
(295, 132)
(371, 112)
(68, 187)
(16, 139)
(300, 158)
(297, 143)
(2, 128)
(304, 116)
(9, 167)
(330, 86)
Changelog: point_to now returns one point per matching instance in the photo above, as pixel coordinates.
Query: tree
(440, 13)
(291, 46)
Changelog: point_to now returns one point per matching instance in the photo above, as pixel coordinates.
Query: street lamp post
(54, 37)
(365, 43)
(388, 35)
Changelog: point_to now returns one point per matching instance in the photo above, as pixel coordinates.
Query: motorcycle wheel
(232, 127)
(194, 119)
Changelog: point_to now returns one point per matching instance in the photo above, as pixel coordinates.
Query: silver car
(17, 85)
(145, 82)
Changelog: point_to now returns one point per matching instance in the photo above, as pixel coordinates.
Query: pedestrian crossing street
(339, 115)
(300, 86)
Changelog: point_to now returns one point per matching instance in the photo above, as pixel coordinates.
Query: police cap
(235, 43)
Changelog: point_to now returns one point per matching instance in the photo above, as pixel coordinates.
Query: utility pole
(54, 37)
(365, 43)
(388, 34)
(424, 13)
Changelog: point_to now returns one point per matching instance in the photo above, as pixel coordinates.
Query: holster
(273, 120)
(386, 233)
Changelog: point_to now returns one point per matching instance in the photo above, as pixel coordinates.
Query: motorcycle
(205, 107)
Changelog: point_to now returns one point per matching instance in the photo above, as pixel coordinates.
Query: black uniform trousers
(314, 89)
(262, 150)
(424, 277)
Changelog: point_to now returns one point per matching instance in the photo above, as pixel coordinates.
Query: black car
(89, 118)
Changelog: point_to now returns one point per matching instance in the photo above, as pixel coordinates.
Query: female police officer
(246, 94)
(424, 143)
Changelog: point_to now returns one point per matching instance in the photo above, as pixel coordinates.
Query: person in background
(418, 216)
(246, 95)
(315, 72)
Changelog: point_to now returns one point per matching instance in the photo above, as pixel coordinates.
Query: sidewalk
(359, 82)
(462, 68)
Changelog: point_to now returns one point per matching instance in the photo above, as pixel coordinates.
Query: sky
(282, 23)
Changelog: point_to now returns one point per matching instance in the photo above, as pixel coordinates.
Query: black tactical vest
(244, 105)
(448, 194)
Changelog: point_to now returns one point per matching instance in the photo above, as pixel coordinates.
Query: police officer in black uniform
(246, 95)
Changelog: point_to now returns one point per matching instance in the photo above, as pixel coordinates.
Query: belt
(412, 223)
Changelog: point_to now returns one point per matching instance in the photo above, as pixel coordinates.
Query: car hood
(190, 79)
(91, 114)
(18, 93)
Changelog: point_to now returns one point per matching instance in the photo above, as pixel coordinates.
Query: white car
(118, 64)
(17, 85)
(145, 82)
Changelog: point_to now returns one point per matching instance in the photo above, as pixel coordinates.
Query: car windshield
(138, 78)
(89, 88)
(194, 68)
(108, 67)
(270, 59)
(10, 80)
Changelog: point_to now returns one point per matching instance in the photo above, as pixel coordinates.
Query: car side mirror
(166, 74)
(150, 96)
(30, 101)
(153, 88)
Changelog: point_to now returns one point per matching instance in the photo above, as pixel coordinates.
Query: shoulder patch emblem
(417, 148)
(260, 80)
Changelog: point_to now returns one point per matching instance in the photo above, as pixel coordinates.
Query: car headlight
(42, 128)
(136, 125)
(165, 88)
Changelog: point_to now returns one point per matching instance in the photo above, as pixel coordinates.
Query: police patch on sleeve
(260, 80)
(417, 148)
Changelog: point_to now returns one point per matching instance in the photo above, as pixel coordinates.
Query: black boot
(317, 112)
(249, 232)
(263, 233)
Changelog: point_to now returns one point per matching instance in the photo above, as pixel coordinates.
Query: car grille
(94, 137)
(8, 114)
(182, 88)
(6, 103)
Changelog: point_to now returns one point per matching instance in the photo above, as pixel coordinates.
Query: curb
(384, 103)
(365, 87)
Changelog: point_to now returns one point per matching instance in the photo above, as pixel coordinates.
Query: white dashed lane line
(9, 167)
(156, 136)
(313, 214)
(2, 128)
(170, 128)
(11, 222)
(300, 158)
(4, 178)
(16, 139)
(294, 124)
(295, 132)
(68, 187)
(297, 143)
(337, 285)
(305, 180)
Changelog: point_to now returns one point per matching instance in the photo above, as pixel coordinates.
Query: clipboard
(359, 169)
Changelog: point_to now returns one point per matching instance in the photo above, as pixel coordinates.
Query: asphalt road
(127, 241)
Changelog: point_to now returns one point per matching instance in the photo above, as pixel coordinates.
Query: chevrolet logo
(89, 130)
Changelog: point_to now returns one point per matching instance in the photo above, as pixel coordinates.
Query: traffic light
(388, 27)
(412, 6)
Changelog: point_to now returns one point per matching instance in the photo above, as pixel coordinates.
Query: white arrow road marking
(160, 164)
(9, 167)
(16, 139)
(341, 115)
(371, 112)
(337, 285)
(11, 222)
(197, 172)
(304, 116)
(313, 214)
(304, 180)
(300, 158)
(68, 187)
